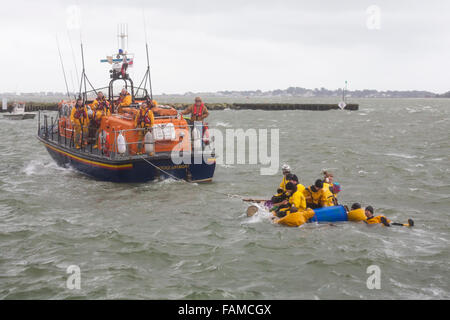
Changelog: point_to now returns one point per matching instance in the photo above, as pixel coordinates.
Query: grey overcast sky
(209, 45)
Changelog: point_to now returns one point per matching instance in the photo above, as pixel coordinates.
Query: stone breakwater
(268, 106)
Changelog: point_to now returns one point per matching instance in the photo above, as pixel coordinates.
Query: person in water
(80, 122)
(285, 170)
(294, 179)
(296, 213)
(295, 202)
(371, 219)
(330, 193)
(281, 192)
(315, 195)
(328, 178)
(278, 200)
(198, 111)
(331, 189)
(356, 213)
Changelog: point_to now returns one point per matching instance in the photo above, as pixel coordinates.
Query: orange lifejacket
(197, 112)
(205, 134)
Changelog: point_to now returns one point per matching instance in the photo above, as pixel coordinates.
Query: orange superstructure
(125, 122)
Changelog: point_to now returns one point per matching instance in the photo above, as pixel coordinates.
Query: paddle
(409, 224)
(254, 200)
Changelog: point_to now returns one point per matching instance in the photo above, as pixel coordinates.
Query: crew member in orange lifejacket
(100, 102)
(198, 110)
(145, 121)
(80, 121)
(100, 108)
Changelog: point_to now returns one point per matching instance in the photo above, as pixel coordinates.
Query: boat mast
(84, 79)
(62, 66)
(83, 74)
(148, 60)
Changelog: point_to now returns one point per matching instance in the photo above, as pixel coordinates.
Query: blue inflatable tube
(329, 214)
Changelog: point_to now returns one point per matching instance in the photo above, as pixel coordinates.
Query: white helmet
(286, 167)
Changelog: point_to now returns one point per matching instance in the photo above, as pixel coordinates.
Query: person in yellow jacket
(296, 197)
(285, 169)
(100, 108)
(356, 213)
(295, 219)
(124, 100)
(295, 201)
(315, 196)
(294, 179)
(330, 192)
(331, 189)
(80, 122)
(371, 219)
(100, 102)
(144, 120)
(328, 178)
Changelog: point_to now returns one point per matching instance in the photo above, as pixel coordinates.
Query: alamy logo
(374, 280)
(74, 280)
(237, 146)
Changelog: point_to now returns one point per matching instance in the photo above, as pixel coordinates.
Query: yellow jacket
(317, 198)
(356, 215)
(94, 104)
(329, 196)
(283, 184)
(100, 113)
(296, 219)
(140, 121)
(376, 219)
(126, 101)
(83, 120)
(297, 199)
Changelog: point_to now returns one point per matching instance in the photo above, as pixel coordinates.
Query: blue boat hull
(330, 214)
(135, 170)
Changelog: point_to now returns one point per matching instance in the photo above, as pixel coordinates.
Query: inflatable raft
(329, 214)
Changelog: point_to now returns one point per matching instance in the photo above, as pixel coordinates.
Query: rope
(229, 195)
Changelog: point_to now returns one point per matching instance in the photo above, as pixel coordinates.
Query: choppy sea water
(172, 240)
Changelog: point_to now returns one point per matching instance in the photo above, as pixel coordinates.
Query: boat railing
(175, 138)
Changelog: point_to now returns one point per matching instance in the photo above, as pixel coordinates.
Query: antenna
(148, 61)
(122, 36)
(73, 57)
(62, 66)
